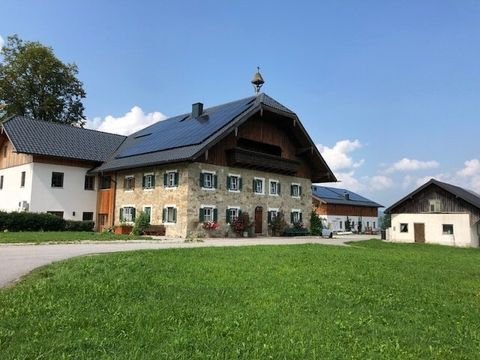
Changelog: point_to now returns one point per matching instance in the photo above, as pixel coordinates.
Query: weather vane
(257, 81)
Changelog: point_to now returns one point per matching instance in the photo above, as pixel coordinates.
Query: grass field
(370, 301)
(60, 236)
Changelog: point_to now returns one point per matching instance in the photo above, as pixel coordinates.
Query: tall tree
(35, 83)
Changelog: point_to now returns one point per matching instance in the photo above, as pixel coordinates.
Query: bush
(142, 222)
(316, 225)
(294, 231)
(278, 224)
(24, 221)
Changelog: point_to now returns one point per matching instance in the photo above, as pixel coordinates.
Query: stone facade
(189, 196)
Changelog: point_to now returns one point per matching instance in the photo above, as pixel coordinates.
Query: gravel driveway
(18, 260)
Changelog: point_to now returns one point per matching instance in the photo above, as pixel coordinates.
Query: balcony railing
(261, 161)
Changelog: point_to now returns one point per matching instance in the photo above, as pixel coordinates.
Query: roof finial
(257, 81)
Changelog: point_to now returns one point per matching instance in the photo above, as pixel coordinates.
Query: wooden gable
(8, 156)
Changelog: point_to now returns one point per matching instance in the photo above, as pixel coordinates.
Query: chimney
(346, 195)
(197, 110)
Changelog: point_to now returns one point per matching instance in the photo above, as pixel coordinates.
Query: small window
(447, 229)
(127, 214)
(148, 212)
(1, 182)
(232, 214)
(170, 215)
(87, 216)
(208, 214)
(374, 225)
(22, 180)
(208, 180)
(404, 228)
(148, 181)
(258, 186)
(129, 183)
(89, 182)
(170, 179)
(105, 182)
(295, 216)
(56, 213)
(295, 190)
(272, 215)
(57, 180)
(435, 205)
(274, 187)
(234, 183)
(340, 224)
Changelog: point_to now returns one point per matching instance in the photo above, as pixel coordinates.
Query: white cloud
(132, 121)
(472, 168)
(347, 180)
(380, 182)
(412, 165)
(2, 42)
(338, 157)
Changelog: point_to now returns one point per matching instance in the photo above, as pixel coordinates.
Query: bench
(156, 230)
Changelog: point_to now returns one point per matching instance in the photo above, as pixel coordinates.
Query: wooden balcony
(261, 161)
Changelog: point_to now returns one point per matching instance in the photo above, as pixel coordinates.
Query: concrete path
(17, 260)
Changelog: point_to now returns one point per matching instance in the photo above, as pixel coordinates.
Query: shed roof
(39, 137)
(331, 195)
(469, 196)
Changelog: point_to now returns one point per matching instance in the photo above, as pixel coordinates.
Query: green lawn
(370, 301)
(60, 236)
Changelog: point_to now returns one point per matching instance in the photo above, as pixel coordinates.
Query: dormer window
(434, 206)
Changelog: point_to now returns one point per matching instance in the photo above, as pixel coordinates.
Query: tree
(35, 83)
(385, 221)
(316, 225)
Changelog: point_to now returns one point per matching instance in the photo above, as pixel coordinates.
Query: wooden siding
(449, 203)
(345, 210)
(265, 129)
(9, 158)
(105, 204)
(66, 162)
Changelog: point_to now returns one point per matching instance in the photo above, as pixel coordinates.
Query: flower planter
(123, 229)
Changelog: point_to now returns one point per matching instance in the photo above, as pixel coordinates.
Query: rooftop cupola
(257, 81)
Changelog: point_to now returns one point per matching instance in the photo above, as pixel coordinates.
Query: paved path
(18, 260)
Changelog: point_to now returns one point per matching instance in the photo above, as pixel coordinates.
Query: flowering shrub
(242, 223)
(210, 225)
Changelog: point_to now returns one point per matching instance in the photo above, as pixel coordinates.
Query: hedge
(25, 221)
(294, 231)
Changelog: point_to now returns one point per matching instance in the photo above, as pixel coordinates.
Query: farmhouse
(251, 155)
(336, 206)
(436, 213)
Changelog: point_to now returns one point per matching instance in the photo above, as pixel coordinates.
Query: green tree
(385, 221)
(35, 83)
(316, 225)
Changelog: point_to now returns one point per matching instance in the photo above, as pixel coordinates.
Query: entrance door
(419, 233)
(102, 221)
(258, 219)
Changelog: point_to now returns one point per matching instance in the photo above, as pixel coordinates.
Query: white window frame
(298, 212)
(129, 177)
(276, 211)
(262, 180)
(151, 211)
(270, 182)
(167, 207)
(447, 233)
(211, 207)
(298, 190)
(212, 184)
(237, 210)
(400, 227)
(171, 174)
(237, 177)
(124, 207)
(150, 188)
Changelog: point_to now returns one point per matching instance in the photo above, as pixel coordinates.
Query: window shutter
(124, 183)
(201, 216)
(153, 180)
(174, 215)
(121, 214)
(300, 217)
(291, 217)
(143, 181)
(291, 190)
(165, 179)
(299, 190)
(253, 185)
(201, 180)
(269, 217)
(240, 183)
(279, 189)
(176, 179)
(215, 214)
(227, 216)
(164, 215)
(215, 181)
(228, 183)
(133, 214)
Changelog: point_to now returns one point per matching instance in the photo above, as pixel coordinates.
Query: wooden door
(419, 233)
(258, 219)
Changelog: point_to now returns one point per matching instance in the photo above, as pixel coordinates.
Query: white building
(436, 213)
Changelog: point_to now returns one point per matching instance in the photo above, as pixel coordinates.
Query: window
(127, 214)
(129, 183)
(447, 229)
(148, 212)
(1, 182)
(258, 186)
(404, 228)
(105, 182)
(374, 225)
(272, 215)
(208, 180)
(89, 182)
(295, 216)
(274, 187)
(435, 205)
(208, 213)
(232, 214)
(170, 179)
(56, 213)
(340, 225)
(148, 181)
(234, 183)
(87, 216)
(295, 190)
(57, 180)
(169, 215)
(22, 180)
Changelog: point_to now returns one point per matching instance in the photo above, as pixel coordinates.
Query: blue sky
(389, 90)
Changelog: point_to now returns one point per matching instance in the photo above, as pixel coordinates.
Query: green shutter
(153, 180)
(300, 217)
(164, 215)
(165, 177)
(133, 214)
(253, 185)
(201, 180)
(215, 181)
(215, 215)
(228, 182)
(291, 217)
(291, 190)
(279, 189)
(174, 215)
(227, 216)
(121, 215)
(176, 179)
(201, 216)
(299, 190)
(240, 183)
(143, 181)
(269, 217)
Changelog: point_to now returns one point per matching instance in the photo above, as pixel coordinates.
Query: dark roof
(464, 194)
(185, 137)
(331, 195)
(38, 137)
